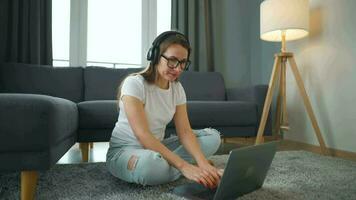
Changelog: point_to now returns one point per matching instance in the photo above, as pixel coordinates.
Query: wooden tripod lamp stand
(281, 21)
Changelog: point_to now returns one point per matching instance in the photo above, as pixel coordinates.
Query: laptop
(245, 171)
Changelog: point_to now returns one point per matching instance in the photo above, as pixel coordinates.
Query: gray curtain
(26, 31)
(193, 18)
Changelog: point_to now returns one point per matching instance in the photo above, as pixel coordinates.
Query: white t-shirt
(159, 104)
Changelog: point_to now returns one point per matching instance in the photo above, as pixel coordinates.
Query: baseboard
(294, 145)
(316, 149)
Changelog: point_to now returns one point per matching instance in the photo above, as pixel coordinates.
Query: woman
(148, 101)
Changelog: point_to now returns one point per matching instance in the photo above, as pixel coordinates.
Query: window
(60, 32)
(110, 33)
(163, 15)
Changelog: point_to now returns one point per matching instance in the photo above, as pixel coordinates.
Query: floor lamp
(281, 21)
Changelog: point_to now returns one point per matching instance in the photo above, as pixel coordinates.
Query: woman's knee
(152, 169)
(210, 141)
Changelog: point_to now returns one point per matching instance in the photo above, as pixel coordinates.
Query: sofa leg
(224, 140)
(84, 148)
(28, 184)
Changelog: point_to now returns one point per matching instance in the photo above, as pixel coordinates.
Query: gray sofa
(234, 112)
(45, 110)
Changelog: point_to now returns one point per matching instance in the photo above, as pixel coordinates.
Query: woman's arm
(190, 143)
(186, 135)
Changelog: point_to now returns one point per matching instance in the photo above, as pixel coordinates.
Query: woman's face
(172, 62)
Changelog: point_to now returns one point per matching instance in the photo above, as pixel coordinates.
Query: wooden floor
(98, 153)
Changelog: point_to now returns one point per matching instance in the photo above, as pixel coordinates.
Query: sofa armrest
(30, 122)
(259, 94)
(255, 94)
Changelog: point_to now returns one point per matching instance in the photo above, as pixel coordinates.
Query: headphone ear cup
(155, 51)
(149, 54)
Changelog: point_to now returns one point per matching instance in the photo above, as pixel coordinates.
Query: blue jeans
(150, 168)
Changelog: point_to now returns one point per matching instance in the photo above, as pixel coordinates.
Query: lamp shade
(288, 16)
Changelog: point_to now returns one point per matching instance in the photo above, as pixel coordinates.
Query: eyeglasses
(174, 63)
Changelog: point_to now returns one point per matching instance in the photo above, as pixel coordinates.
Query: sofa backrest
(64, 82)
(206, 86)
(95, 83)
(102, 83)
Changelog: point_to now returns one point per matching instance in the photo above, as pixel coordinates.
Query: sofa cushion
(103, 114)
(102, 83)
(98, 114)
(221, 113)
(225, 131)
(64, 82)
(203, 86)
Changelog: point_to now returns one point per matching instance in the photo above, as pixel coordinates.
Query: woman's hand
(212, 173)
(198, 175)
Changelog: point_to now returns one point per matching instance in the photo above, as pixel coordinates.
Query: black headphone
(153, 52)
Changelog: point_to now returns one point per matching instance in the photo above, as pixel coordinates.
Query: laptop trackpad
(194, 191)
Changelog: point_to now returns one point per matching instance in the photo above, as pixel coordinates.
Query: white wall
(327, 63)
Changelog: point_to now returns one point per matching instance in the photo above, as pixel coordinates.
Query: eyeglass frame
(178, 63)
